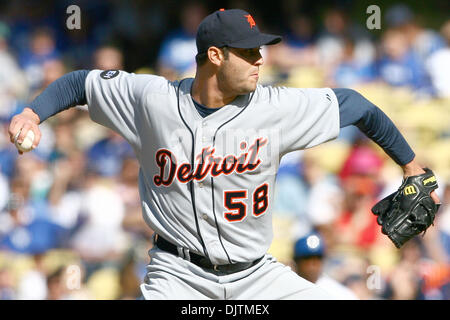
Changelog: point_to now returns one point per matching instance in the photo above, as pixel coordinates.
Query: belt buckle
(216, 267)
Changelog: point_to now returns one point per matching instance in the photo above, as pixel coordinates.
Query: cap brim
(263, 39)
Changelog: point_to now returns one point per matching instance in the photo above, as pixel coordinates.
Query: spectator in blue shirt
(351, 72)
(26, 225)
(105, 157)
(178, 50)
(399, 66)
(423, 41)
(301, 33)
(42, 49)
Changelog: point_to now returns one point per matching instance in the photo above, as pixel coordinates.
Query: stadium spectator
(291, 191)
(105, 157)
(100, 239)
(350, 72)
(405, 281)
(27, 227)
(42, 49)
(298, 49)
(178, 49)
(301, 32)
(400, 66)
(330, 43)
(66, 192)
(13, 84)
(309, 255)
(357, 283)
(8, 153)
(423, 41)
(55, 285)
(32, 285)
(52, 70)
(7, 290)
(129, 279)
(438, 65)
(128, 190)
(108, 58)
(356, 226)
(444, 219)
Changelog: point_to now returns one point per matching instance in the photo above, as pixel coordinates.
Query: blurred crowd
(71, 225)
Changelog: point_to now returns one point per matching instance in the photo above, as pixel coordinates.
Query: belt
(204, 262)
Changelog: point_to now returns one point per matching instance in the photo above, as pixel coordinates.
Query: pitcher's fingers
(23, 133)
(14, 127)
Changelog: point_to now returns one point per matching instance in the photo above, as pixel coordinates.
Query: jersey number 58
(238, 208)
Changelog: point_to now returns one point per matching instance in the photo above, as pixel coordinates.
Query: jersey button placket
(205, 139)
(205, 133)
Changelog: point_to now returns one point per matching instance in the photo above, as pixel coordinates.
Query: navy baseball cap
(308, 246)
(234, 28)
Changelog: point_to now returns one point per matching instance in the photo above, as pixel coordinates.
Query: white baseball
(27, 143)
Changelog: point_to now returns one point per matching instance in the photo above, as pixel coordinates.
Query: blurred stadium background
(70, 217)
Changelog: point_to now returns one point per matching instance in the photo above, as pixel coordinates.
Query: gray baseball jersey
(207, 184)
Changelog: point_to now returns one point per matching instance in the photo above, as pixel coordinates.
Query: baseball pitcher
(209, 149)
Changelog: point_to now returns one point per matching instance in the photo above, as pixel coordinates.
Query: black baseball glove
(408, 211)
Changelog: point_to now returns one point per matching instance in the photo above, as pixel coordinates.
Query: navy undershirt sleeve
(356, 110)
(65, 92)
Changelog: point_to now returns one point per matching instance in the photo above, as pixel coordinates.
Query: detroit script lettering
(209, 163)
